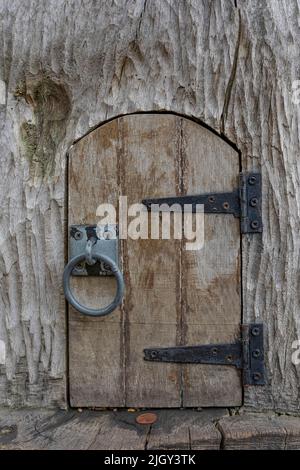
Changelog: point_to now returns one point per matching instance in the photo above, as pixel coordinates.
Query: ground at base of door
(173, 430)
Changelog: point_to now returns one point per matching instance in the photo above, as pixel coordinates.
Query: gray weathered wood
(186, 429)
(150, 161)
(291, 426)
(230, 64)
(211, 276)
(71, 430)
(252, 432)
(172, 296)
(120, 431)
(96, 364)
(174, 429)
(96, 430)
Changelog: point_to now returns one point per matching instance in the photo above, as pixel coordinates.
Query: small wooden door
(173, 296)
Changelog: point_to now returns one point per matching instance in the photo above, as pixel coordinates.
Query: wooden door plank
(152, 267)
(95, 344)
(211, 276)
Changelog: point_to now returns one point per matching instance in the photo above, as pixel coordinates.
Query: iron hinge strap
(244, 202)
(246, 354)
(250, 202)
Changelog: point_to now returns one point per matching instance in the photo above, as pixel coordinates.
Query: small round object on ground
(146, 418)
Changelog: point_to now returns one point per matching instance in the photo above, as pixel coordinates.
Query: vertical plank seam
(181, 280)
(123, 258)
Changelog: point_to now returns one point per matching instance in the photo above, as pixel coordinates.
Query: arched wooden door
(173, 296)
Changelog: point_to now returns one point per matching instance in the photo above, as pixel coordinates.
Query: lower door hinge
(243, 202)
(246, 354)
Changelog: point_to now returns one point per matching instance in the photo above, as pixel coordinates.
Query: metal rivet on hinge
(252, 180)
(254, 224)
(153, 354)
(256, 376)
(214, 351)
(225, 205)
(211, 199)
(255, 331)
(256, 353)
(254, 202)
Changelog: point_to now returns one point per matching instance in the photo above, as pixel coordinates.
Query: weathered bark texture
(67, 66)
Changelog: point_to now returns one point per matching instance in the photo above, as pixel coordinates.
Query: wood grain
(252, 432)
(119, 431)
(95, 344)
(211, 276)
(185, 429)
(174, 429)
(152, 266)
(291, 426)
(172, 296)
(100, 430)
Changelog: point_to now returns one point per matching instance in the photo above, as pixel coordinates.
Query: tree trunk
(68, 66)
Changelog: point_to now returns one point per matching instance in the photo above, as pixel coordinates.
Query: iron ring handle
(74, 302)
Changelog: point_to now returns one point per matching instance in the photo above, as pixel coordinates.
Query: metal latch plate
(106, 237)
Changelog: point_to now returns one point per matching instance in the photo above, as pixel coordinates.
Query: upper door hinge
(246, 354)
(243, 202)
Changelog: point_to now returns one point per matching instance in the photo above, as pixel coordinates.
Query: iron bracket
(105, 242)
(243, 202)
(246, 354)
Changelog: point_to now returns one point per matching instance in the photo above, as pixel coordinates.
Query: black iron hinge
(243, 202)
(246, 354)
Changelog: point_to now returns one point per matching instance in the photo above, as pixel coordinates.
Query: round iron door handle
(100, 312)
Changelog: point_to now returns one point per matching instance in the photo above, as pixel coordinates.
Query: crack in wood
(231, 77)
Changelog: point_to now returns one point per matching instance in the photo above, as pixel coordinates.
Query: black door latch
(243, 202)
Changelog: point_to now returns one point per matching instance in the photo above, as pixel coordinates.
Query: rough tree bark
(69, 65)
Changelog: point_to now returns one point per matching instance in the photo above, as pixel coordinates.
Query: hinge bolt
(256, 376)
(255, 331)
(254, 224)
(256, 353)
(153, 354)
(252, 180)
(79, 268)
(253, 202)
(78, 235)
